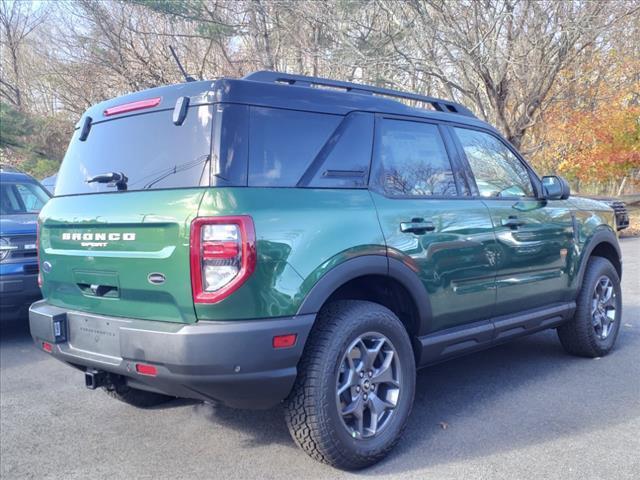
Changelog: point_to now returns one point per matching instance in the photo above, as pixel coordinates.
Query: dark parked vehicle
(620, 210)
(21, 198)
(281, 238)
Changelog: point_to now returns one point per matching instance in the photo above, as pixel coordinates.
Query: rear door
(534, 237)
(126, 253)
(430, 223)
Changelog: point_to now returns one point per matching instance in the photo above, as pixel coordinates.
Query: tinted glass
(411, 159)
(230, 145)
(17, 198)
(150, 150)
(283, 143)
(497, 171)
(344, 160)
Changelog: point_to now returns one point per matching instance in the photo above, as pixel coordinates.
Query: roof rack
(304, 81)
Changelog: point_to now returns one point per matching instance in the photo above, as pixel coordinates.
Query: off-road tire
(578, 336)
(135, 397)
(311, 411)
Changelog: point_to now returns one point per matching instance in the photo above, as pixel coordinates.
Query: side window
(283, 143)
(9, 202)
(498, 172)
(32, 202)
(344, 160)
(411, 159)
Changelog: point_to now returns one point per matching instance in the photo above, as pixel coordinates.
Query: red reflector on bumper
(284, 341)
(47, 347)
(144, 369)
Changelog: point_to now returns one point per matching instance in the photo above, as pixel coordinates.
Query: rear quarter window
(283, 143)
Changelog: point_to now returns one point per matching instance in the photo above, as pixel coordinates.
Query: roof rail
(304, 81)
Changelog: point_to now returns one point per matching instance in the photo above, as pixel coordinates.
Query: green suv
(281, 238)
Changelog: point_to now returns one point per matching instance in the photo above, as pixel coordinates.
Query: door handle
(418, 226)
(512, 222)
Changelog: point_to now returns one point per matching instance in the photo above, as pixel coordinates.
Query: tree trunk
(621, 187)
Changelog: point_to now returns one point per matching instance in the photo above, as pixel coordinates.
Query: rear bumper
(232, 362)
(17, 291)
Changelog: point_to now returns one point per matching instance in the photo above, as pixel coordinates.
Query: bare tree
(502, 56)
(18, 20)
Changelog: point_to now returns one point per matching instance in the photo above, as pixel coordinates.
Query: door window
(411, 160)
(17, 198)
(498, 172)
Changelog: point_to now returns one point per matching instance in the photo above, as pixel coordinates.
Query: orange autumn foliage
(593, 136)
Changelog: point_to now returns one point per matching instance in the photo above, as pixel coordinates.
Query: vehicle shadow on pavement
(14, 329)
(528, 392)
(504, 398)
(511, 396)
(262, 426)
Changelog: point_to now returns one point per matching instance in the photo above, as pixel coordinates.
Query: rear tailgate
(123, 254)
(125, 251)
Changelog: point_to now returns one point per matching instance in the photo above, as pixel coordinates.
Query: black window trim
(469, 175)
(456, 167)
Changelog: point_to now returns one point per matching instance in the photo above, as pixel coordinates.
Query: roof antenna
(188, 78)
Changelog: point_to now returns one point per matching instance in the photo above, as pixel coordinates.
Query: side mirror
(555, 188)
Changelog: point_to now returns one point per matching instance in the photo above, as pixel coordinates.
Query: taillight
(223, 256)
(38, 254)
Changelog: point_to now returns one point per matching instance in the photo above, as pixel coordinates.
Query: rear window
(148, 148)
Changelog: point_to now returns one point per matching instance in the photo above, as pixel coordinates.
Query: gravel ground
(521, 410)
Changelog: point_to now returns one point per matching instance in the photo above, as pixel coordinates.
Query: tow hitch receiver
(95, 378)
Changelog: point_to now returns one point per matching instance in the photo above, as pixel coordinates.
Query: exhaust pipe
(95, 378)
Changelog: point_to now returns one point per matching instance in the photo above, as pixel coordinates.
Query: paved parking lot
(521, 410)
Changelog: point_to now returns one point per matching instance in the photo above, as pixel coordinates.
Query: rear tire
(135, 397)
(594, 328)
(349, 338)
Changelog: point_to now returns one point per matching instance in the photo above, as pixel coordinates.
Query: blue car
(21, 198)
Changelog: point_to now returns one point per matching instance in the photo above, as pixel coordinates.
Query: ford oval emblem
(156, 278)
(46, 266)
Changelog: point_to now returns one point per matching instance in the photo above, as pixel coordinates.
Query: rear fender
(370, 265)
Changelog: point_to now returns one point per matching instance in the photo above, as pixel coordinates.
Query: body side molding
(464, 339)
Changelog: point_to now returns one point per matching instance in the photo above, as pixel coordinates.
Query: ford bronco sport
(281, 238)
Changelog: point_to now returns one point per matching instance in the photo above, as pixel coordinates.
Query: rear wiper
(119, 179)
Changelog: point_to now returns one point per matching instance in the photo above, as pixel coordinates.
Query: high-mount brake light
(223, 256)
(133, 106)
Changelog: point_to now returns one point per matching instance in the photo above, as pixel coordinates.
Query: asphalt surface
(521, 410)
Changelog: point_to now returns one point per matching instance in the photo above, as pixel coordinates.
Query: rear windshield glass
(21, 197)
(148, 148)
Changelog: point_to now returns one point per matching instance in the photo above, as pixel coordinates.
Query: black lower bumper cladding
(231, 362)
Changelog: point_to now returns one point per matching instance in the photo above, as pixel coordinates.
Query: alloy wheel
(603, 307)
(368, 385)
